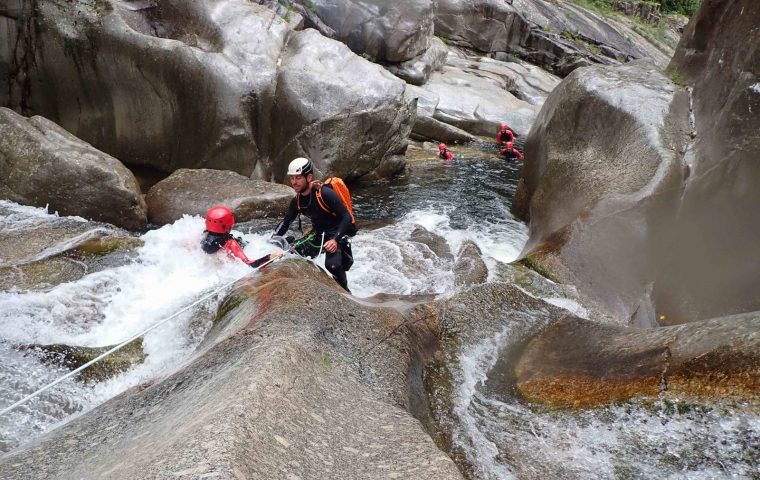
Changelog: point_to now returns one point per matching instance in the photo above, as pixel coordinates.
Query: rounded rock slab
(193, 192)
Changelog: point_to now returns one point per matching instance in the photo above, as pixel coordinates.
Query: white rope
(121, 345)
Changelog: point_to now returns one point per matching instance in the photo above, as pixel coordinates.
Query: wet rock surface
(600, 217)
(664, 235)
(559, 37)
(417, 70)
(380, 30)
(476, 103)
(135, 71)
(127, 77)
(73, 357)
(578, 363)
(469, 267)
(297, 380)
(348, 125)
(476, 325)
(193, 192)
(69, 263)
(41, 164)
(36, 238)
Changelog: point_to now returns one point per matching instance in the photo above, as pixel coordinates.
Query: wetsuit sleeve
(333, 202)
(517, 153)
(233, 248)
(260, 261)
(449, 155)
(283, 226)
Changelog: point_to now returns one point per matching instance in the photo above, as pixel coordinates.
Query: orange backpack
(339, 187)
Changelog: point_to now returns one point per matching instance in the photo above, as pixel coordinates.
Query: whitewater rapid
(170, 271)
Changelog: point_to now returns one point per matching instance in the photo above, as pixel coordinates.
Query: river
(466, 199)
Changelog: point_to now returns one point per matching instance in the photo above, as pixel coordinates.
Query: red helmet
(503, 126)
(442, 146)
(510, 144)
(219, 219)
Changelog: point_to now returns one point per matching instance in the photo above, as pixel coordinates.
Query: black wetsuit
(212, 242)
(335, 224)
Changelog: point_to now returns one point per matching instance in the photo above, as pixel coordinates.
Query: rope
(121, 345)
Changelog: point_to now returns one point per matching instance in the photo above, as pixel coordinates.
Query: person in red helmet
(217, 236)
(509, 152)
(504, 135)
(444, 153)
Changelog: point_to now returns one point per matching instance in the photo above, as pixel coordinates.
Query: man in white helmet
(330, 220)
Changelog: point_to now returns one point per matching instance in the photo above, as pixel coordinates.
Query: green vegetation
(326, 360)
(655, 34)
(677, 77)
(682, 7)
(311, 6)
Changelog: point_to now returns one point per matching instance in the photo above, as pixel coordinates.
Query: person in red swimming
(444, 153)
(504, 135)
(509, 152)
(217, 236)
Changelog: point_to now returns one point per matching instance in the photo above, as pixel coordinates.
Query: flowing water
(467, 199)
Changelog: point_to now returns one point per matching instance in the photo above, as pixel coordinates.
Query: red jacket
(505, 136)
(445, 155)
(510, 152)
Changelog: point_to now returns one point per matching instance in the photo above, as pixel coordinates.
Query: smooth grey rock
(61, 261)
(41, 164)
(578, 363)
(427, 129)
(664, 235)
(182, 83)
(378, 29)
(603, 184)
(523, 80)
(417, 70)
(559, 55)
(296, 381)
(557, 36)
(714, 270)
(469, 267)
(343, 112)
(583, 28)
(436, 243)
(193, 84)
(43, 236)
(478, 104)
(72, 357)
(193, 192)
(485, 25)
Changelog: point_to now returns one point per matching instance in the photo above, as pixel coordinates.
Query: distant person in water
(504, 135)
(509, 152)
(444, 153)
(217, 236)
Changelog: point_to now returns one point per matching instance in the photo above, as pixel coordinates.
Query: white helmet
(300, 166)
